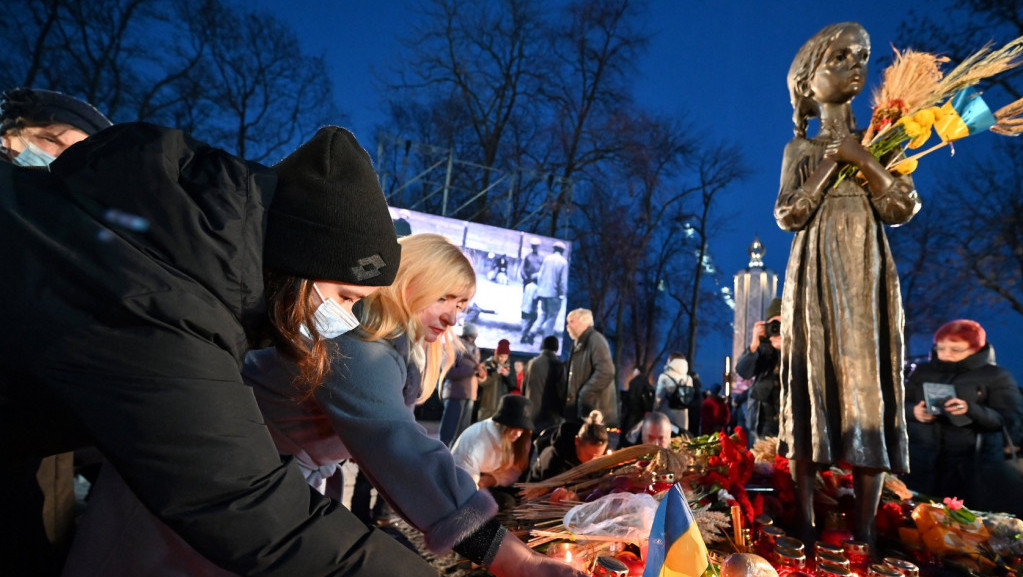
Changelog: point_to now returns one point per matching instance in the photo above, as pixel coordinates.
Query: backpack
(681, 396)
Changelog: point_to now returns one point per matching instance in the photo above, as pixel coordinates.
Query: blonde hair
(431, 268)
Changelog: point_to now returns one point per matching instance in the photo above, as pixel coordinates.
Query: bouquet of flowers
(917, 99)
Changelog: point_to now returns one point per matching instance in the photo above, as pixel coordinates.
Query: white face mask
(331, 318)
(32, 155)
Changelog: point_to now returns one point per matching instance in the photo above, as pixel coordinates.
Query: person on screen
(531, 263)
(551, 288)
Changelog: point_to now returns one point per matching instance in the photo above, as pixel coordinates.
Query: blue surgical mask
(32, 155)
(331, 318)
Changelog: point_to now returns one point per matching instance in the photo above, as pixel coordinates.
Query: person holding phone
(952, 451)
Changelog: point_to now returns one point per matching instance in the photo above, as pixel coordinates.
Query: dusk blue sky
(721, 65)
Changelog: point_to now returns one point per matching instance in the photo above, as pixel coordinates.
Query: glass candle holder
(905, 567)
(569, 554)
(662, 482)
(768, 540)
(790, 543)
(609, 567)
(882, 570)
(789, 560)
(825, 569)
(825, 556)
(829, 547)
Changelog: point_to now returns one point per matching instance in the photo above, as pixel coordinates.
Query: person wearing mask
(461, 384)
(382, 358)
(956, 439)
(36, 127)
(760, 363)
(141, 263)
(568, 445)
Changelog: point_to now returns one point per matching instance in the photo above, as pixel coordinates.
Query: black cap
(514, 411)
(550, 343)
(773, 309)
(47, 106)
(328, 218)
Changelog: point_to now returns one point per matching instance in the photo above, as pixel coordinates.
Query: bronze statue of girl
(842, 348)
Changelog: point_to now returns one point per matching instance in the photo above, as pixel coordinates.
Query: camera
(774, 329)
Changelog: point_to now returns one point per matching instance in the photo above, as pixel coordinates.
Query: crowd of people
(228, 334)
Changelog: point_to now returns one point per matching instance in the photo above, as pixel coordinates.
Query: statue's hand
(848, 149)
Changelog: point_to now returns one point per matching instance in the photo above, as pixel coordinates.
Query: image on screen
(521, 279)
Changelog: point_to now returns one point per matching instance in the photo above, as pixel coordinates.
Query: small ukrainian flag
(676, 545)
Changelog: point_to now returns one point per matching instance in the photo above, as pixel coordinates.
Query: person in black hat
(36, 125)
(495, 451)
(134, 283)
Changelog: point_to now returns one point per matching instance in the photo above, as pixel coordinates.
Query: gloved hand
(515, 559)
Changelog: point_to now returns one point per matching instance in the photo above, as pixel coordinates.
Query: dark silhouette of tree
(966, 246)
(234, 78)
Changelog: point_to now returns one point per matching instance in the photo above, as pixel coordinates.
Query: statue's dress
(842, 342)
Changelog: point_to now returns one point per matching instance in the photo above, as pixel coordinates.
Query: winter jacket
(544, 385)
(133, 273)
(764, 399)
(675, 375)
(591, 379)
(364, 411)
(461, 382)
(555, 449)
(492, 388)
(951, 454)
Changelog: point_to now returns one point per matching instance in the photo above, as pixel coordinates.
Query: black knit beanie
(328, 218)
(44, 106)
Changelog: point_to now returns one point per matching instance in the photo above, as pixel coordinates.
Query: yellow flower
(907, 166)
(916, 131)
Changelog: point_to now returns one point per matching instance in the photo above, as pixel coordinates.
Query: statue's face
(842, 71)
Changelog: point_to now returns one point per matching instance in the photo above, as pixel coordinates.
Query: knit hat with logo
(328, 218)
(46, 106)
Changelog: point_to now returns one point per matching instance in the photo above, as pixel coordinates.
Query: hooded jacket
(961, 455)
(133, 273)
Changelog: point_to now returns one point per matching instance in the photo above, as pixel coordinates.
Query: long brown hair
(289, 308)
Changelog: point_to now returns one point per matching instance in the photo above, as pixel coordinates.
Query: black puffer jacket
(132, 271)
(948, 454)
(555, 452)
